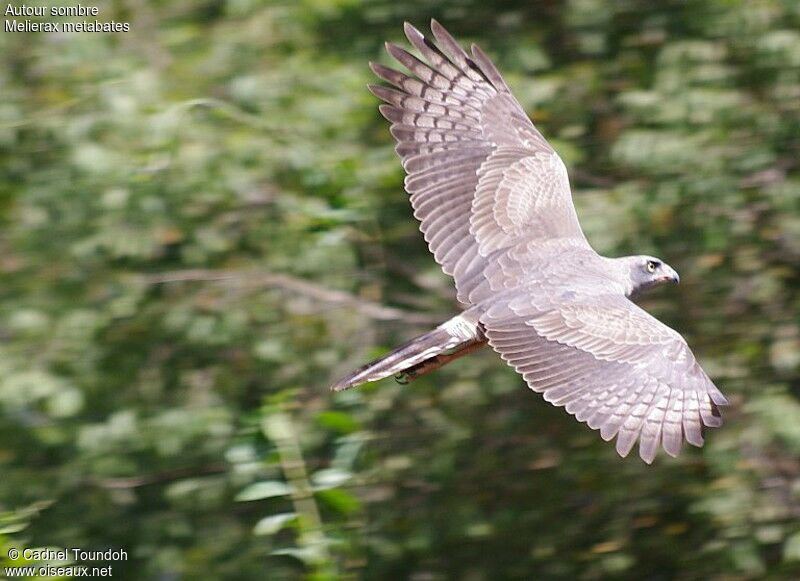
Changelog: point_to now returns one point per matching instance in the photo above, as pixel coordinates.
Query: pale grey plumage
(494, 203)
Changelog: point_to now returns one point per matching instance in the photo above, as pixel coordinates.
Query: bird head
(646, 272)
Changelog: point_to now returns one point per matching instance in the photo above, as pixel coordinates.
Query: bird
(495, 207)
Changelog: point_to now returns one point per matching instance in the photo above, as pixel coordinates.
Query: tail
(458, 336)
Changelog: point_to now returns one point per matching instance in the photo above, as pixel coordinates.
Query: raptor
(494, 204)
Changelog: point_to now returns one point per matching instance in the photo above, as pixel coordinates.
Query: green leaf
(306, 555)
(272, 524)
(330, 478)
(338, 422)
(347, 450)
(791, 548)
(262, 490)
(277, 427)
(339, 500)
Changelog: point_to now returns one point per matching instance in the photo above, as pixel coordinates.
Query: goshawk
(494, 203)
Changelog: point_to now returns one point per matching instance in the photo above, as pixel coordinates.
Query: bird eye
(651, 266)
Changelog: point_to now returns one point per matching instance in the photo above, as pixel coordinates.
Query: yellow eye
(651, 266)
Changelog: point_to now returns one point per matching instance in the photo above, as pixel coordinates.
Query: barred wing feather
(481, 177)
(612, 365)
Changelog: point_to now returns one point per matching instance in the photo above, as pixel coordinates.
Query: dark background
(202, 224)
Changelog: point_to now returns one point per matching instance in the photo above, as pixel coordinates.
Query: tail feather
(446, 337)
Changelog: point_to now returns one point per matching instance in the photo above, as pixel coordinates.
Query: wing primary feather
(453, 50)
(488, 69)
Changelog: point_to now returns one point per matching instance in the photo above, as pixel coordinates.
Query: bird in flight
(494, 203)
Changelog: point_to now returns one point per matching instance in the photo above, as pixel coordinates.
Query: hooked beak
(670, 275)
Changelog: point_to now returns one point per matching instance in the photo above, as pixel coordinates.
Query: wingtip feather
(395, 51)
(410, 30)
(718, 398)
(672, 440)
(648, 455)
(625, 442)
(390, 113)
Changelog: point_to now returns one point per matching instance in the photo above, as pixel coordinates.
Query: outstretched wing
(481, 177)
(612, 365)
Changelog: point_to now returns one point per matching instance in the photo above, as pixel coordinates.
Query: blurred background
(202, 224)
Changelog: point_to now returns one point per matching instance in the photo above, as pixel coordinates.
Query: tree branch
(160, 477)
(299, 286)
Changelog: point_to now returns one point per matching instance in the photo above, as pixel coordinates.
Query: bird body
(495, 207)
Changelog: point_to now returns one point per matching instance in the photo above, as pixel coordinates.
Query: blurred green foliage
(203, 224)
